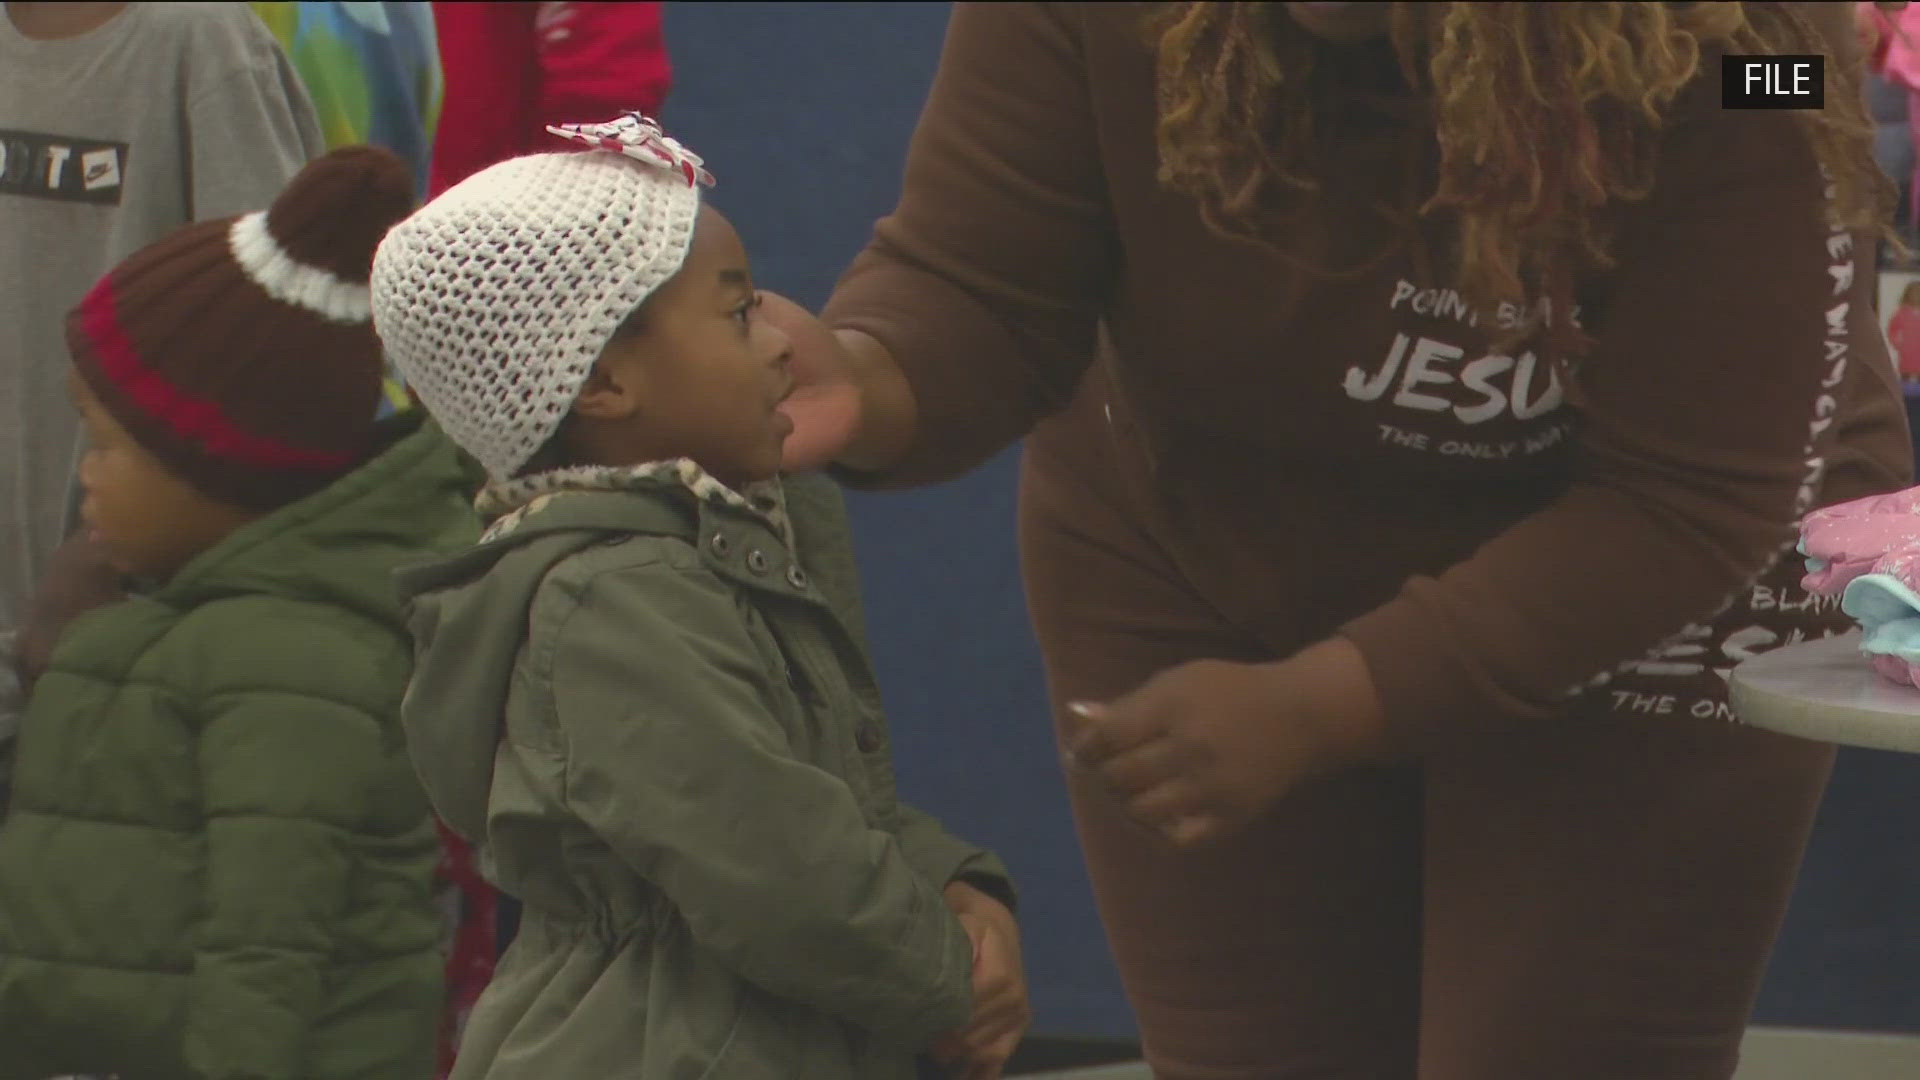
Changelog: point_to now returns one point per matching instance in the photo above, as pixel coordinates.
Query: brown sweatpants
(1580, 900)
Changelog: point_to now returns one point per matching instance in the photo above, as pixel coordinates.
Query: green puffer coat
(217, 862)
(662, 727)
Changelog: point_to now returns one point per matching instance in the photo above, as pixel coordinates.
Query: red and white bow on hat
(641, 138)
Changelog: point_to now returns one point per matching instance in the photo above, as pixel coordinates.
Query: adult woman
(1390, 371)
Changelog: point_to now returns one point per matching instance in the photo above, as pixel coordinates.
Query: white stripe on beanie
(269, 266)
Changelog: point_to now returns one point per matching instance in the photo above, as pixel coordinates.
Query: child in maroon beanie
(217, 861)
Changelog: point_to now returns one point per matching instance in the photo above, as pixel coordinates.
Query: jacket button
(757, 561)
(720, 544)
(867, 739)
(796, 577)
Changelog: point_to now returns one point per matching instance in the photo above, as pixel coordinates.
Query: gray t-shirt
(169, 113)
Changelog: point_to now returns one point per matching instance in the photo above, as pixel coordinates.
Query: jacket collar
(510, 504)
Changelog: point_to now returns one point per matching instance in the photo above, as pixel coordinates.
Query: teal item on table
(1888, 612)
(1899, 638)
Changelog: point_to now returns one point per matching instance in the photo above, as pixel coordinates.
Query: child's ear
(611, 392)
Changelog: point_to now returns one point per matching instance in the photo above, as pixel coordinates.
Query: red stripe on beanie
(192, 418)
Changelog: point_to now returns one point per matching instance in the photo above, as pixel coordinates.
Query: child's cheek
(105, 482)
(107, 478)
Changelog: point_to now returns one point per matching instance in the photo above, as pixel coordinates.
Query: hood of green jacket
(468, 616)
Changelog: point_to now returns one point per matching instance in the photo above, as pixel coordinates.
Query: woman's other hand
(1205, 747)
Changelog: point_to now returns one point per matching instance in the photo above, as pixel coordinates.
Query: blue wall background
(803, 111)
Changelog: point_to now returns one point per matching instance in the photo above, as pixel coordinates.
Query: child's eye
(744, 312)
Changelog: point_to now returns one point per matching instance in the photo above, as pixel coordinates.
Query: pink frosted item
(1867, 551)
(1892, 668)
(1844, 541)
(1902, 564)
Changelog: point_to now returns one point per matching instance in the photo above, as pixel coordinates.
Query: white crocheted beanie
(495, 299)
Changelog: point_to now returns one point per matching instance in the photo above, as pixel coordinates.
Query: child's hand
(1000, 1011)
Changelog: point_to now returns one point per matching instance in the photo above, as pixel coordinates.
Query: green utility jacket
(664, 733)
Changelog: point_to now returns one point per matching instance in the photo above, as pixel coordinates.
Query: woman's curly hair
(1547, 116)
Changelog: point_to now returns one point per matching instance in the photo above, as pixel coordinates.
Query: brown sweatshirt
(1324, 440)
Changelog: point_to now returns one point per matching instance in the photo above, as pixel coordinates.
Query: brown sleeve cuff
(1426, 683)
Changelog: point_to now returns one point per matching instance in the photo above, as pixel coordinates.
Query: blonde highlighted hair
(1547, 116)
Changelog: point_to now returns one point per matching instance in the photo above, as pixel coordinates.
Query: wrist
(966, 898)
(1328, 686)
(960, 895)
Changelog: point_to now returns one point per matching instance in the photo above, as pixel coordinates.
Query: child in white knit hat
(655, 717)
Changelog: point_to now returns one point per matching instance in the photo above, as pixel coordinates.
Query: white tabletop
(1824, 690)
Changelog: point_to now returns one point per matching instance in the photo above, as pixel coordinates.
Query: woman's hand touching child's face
(825, 405)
